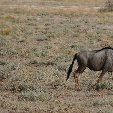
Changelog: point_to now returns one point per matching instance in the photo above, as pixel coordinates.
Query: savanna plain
(38, 39)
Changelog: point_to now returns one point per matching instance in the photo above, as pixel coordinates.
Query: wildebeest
(97, 60)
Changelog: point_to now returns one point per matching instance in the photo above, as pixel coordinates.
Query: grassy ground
(37, 42)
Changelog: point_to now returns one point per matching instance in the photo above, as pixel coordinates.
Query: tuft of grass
(18, 84)
(33, 95)
(78, 46)
(109, 111)
(42, 38)
(5, 71)
(102, 102)
(12, 66)
(28, 96)
(97, 103)
(25, 88)
(42, 63)
(107, 85)
(10, 17)
(56, 84)
(5, 31)
(40, 52)
(104, 85)
(3, 41)
(2, 62)
(8, 51)
(4, 74)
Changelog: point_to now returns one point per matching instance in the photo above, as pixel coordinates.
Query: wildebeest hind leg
(75, 73)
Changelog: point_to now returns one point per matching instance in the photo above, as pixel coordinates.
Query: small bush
(3, 42)
(32, 95)
(42, 63)
(78, 46)
(18, 84)
(13, 66)
(108, 6)
(42, 38)
(40, 52)
(4, 73)
(100, 103)
(28, 96)
(56, 84)
(8, 51)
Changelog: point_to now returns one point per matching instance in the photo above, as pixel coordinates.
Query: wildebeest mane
(104, 48)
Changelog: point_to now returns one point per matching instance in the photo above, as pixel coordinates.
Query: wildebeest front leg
(101, 76)
(99, 79)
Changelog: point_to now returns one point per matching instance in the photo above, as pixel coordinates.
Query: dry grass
(37, 45)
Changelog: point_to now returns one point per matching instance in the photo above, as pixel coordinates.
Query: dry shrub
(108, 6)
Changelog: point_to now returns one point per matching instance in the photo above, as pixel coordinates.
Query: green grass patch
(42, 63)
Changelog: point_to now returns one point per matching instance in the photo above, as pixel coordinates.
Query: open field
(38, 39)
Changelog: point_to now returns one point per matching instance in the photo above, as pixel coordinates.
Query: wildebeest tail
(70, 67)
